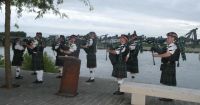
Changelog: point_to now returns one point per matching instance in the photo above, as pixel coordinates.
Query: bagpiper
(36, 50)
(119, 64)
(91, 50)
(60, 47)
(18, 50)
(168, 62)
(132, 57)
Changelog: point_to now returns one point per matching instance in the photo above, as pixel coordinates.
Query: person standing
(59, 46)
(90, 49)
(168, 60)
(18, 50)
(119, 66)
(132, 58)
(73, 49)
(37, 46)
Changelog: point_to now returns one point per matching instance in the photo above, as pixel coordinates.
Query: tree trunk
(8, 73)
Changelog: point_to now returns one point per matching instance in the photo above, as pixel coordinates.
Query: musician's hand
(155, 55)
(83, 46)
(126, 59)
(61, 50)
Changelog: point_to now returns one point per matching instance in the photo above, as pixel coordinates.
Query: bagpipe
(84, 41)
(159, 46)
(60, 44)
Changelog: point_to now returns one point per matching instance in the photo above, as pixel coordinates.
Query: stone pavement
(97, 93)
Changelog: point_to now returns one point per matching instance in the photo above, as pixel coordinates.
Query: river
(188, 74)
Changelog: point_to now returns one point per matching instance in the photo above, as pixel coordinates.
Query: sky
(151, 18)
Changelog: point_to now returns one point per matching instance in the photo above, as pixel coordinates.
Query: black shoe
(37, 82)
(34, 73)
(118, 93)
(90, 80)
(132, 77)
(19, 77)
(59, 76)
(165, 99)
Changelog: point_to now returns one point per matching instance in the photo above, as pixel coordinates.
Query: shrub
(49, 65)
(27, 63)
(1, 61)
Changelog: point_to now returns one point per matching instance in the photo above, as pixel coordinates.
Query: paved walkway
(97, 93)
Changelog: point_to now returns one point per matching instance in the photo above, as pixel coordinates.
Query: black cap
(173, 34)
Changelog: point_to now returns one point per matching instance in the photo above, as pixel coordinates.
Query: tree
(40, 7)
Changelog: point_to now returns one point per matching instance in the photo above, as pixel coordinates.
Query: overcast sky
(148, 17)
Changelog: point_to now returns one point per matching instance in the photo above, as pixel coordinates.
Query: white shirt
(19, 47)
(122, 48)
(90, 42)
(171, 48)
(72, 47)
(132, 46)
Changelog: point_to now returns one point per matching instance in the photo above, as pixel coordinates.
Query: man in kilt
(18, 50)
(119, 64)
(132, 57)
(90, 49)
(60, 48)
(168, 60)
(73, 49)
(36, 48)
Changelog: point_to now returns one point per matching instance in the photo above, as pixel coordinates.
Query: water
(188, 74)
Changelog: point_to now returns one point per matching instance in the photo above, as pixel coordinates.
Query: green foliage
(15, 34)
(1, 61)
(49, 65)
(41, 7)
(27, 63)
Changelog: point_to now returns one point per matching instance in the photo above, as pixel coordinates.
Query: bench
(140, 90)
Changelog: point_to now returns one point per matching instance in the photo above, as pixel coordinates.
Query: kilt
(91, 60)
(132, 65)
(119, 70)
(17, 57)
(17, 60)
(37, 61)
(168, 75)
(59, 62)
(113, 59)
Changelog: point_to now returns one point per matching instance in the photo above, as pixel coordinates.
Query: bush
(2, 61)
(27, 63)
(49, 65)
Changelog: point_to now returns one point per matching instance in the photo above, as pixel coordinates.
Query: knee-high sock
(92, 74)
(119, 81)
(39, 75)
(17, 71)
(60, 70)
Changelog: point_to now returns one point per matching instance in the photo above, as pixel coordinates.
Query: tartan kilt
(132, 65)
(168, 74)
(91, 60)
(59, 62)
(119, 70)
(113, 58)
(37, 61)
(17, 60)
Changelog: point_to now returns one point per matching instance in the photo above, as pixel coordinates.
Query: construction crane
(192, 34)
